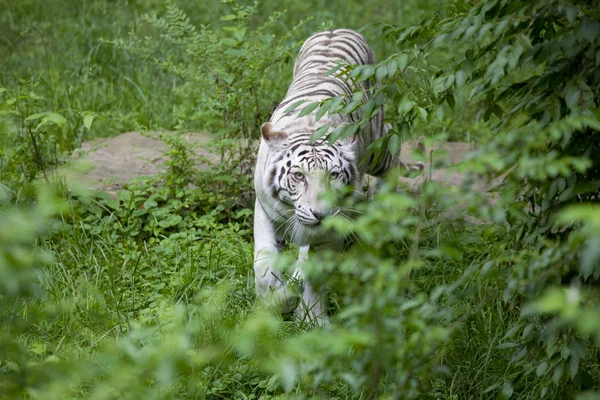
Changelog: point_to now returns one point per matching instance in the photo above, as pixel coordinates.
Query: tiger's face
(307, 180)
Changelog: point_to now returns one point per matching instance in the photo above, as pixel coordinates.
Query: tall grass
(150, 294)
(63, 46)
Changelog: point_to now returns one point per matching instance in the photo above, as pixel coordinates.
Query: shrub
(443, 294)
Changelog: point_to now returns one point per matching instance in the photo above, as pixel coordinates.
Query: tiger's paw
(313, 315)
(283, 299)
(306, 318)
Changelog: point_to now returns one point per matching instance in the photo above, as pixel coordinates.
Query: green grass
(151, 294)
(63, 47)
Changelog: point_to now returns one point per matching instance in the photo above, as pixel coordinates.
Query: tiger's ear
(350, 140)
(271, 134)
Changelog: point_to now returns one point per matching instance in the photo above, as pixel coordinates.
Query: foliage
(34, 139)
(444, 294)
(534, 68)
(65, 46)
(230, 77)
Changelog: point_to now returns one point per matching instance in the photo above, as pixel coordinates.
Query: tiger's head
(307, 178)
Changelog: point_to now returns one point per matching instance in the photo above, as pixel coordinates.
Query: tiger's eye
(334, 174)
(298, 175)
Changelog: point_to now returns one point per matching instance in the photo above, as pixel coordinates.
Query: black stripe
(292, 99)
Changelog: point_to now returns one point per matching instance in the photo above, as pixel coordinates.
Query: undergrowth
(444, 294)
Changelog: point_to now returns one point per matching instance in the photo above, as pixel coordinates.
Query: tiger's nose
(318, 214)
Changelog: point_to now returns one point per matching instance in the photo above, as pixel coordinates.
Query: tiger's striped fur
(293, 173)
(319, 54)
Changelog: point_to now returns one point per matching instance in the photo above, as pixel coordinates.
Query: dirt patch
(107, 164)
(440, 164)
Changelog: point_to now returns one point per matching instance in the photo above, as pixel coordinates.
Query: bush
(444, 294)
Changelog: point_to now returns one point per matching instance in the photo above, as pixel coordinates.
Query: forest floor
(109, 163)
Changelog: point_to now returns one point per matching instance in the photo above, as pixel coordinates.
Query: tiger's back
(318, 55)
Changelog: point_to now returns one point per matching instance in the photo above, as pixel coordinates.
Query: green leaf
(572, 95)
(287, 373)
(507, 391)
(224, 178)
(229, 42)
(405, 106)
(88, 120)
(308, 109)
(573, 365)
(229, 17)
(558, 373)
(356, 71)
(228, 78)
(358, 96)
(461, 78)
(423, 113)
(497, 111)
(590, 256)
(125, 196)
(451, 101)
(239, 34)
(13, 366)
(350, 107)
(33, 117)
(407, 33)
(334, 69)
(571, 12)
(170, 221)
(440, 112)
(508, 345)
(394, 144)
(437, 84)
(150, 204)
(449, 81)
(342, 132)
(293, 106)
(381, 73)
(367, 72)
(322, 110)
(580, 212)
(519, 354)
(392, 68)
(402, 61)
(492, 387)
(319, 132)
(234, 53)
(553, 301)
(367, 108)
(528, 329)
(541, 368)
(48, 118)
(588, 29)
(488, 113)
(511, 331)
(335, 104)
(349, 130)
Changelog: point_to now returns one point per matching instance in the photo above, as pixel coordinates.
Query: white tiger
(293, 173)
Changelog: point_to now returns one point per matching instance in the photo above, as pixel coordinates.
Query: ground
(107, 164)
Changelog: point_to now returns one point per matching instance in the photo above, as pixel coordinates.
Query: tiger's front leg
(313, 305)
(269, 282)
